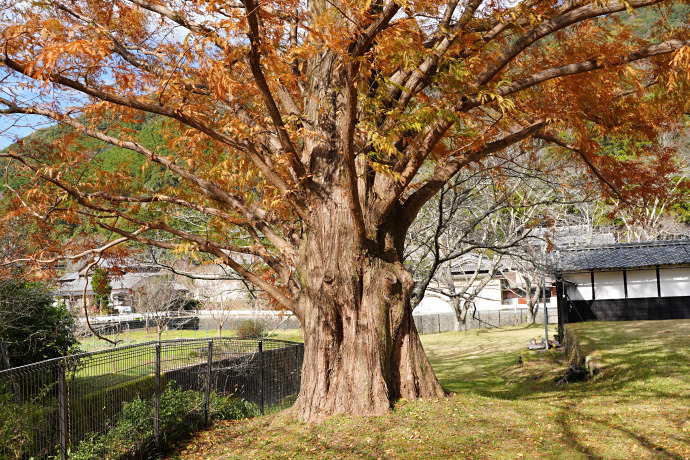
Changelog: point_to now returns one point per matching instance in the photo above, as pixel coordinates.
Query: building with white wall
(625, 281)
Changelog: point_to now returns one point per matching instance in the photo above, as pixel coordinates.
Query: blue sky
(13, 128)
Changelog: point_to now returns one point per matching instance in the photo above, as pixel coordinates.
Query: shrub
(180, 412)
(249, 328)
(32, 329)
(230, 407)
(24, 427)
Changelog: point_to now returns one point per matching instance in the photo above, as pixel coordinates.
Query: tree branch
(270, 289)
(581, 67)
(252, 15)
(242, 145)
(251, 212)
(415, 201)
(552, 25)
(555, 140)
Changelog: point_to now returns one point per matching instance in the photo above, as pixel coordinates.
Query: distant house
(213, 284)
(124, 280)
(505, 289)
(515, 292)
(624, 281)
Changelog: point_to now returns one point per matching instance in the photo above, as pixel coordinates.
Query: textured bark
(362, 350)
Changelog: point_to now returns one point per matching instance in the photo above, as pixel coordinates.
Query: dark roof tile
(621, 255)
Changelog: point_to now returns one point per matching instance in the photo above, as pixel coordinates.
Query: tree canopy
(308, 135)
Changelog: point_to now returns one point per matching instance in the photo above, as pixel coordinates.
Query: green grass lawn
(637, 406)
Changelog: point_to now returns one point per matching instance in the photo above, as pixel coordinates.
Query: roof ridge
(628, 244)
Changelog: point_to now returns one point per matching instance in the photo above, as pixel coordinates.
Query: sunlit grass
(638, 406)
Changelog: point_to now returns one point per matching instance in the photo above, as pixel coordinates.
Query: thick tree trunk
(362, 350)
(363, 355)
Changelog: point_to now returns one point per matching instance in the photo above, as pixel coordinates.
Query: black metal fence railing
(58, 407)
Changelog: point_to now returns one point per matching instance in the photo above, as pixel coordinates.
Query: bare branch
(415, 201)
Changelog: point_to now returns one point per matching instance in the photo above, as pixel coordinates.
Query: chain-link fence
(445, 322)
(75, 404)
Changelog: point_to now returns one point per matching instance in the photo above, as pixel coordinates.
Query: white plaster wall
(552, 301)
(641, 284)
(675, 281)
(583, 286)
(490, 297)
(609, 285)
(433, 305)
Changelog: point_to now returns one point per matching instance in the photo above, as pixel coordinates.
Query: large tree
(308, 134)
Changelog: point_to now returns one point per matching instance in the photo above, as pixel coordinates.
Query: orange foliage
(250, 96)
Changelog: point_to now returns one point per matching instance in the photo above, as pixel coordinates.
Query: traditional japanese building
(624, 281)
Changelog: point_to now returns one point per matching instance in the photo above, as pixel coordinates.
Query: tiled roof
(468, 264)
(621, 256)
(126, 282)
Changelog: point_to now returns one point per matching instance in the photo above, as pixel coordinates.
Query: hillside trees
(308, 135)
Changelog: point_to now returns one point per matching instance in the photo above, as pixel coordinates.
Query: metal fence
(48, 408)
(445, 322)
(119, 324)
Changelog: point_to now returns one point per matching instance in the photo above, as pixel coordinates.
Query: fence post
(439, 323)
(3, 357)
(261, 364)
(157, 399)
(208, 380)
(62, 397)
(298, 368)
(499, 318)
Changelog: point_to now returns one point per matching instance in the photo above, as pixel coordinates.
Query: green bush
(24, 426)
(32, 328)
(16, 429)
(229, 407)
(249, 328)
(180, 412)
(133, 429)
(111, 398)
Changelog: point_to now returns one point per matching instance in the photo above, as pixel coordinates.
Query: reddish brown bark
(362, 350)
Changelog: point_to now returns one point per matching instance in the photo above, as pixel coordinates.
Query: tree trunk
(533, 308)
(362, 350)
(461, 308)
